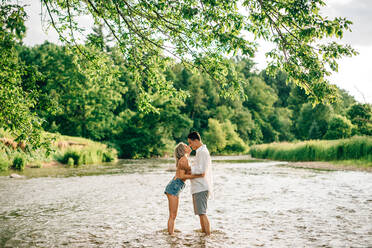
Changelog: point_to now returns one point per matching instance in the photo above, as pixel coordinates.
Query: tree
(85, 92)
(308, 114)
(245, 126)
(99, 39)
(260, 101)
(281, 122)
(16, 99)
(315, 132)
(343, 102)
(339, 127)
(202, 33)
(139, 134)
(361, 116)
(234, 144)
(281, 86)
(215, 136)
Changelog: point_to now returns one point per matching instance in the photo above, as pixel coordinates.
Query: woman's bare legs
(173, 208)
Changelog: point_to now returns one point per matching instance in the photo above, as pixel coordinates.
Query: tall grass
(89, 155)
(355, 148)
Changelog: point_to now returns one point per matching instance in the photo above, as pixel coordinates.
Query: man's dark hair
(194, 136)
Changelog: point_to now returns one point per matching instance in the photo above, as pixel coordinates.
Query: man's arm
(184, 166)
(183, 175)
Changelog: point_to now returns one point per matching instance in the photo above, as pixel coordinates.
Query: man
(202, 187)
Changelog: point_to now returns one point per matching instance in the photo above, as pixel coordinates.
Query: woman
(177, 184)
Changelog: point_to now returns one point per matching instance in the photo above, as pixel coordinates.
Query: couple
(200, 175)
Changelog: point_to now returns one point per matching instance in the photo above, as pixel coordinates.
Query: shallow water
(256, 205)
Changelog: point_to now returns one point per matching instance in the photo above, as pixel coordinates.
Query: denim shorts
(174, 187)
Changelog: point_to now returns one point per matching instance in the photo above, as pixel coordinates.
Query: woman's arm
(184, 176)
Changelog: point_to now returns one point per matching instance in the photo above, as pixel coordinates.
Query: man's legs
(200, 201)
(204, 223)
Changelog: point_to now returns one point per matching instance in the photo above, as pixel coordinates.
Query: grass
(82, 151)
(355, 150)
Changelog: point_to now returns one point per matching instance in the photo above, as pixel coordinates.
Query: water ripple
(256, 205)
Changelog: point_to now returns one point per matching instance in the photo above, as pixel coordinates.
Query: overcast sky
(355, 74)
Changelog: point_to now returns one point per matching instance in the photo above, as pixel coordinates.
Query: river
(256, 204)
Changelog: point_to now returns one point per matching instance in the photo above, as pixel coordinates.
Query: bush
(4, 164)
(108, 156)
(222, 138)
(75, 155)
(234, 144)
(19, 163)
(215, 137)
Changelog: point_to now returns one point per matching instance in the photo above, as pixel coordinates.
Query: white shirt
(202, 164)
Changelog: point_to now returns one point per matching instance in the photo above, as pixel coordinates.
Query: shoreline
(327, 166)
(55, 169)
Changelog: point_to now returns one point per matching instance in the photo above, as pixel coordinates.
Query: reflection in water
(255, 205)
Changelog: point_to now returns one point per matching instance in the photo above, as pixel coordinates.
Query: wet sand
(320, 165)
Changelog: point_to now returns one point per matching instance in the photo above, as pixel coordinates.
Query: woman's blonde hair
(179, 152)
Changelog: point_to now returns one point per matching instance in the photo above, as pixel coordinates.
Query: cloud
(357, 11)
(354, 75)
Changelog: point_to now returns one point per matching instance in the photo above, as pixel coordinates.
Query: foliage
(361, 116)
(234, 144)
(147, 135)
(16, 101)
(308, 115)
(19, 163)
(85, 92)
(215, 136)
(202, 33)
(339, 127)
(84, 152)
(114, 115)
(87, 152)
(222, 138)
(109, 156)
(74, 155)
(152, 71)
(4, 164)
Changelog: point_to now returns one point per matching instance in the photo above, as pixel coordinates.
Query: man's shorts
(200, 201)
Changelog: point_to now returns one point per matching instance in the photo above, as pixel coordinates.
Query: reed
(354, 148)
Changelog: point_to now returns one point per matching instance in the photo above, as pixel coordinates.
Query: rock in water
(13, 175)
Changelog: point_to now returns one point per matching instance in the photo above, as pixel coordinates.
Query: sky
(354, 74)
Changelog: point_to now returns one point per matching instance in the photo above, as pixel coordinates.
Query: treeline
(91, 94)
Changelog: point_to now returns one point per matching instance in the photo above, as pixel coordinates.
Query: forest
(78, 97)
(142, 109)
